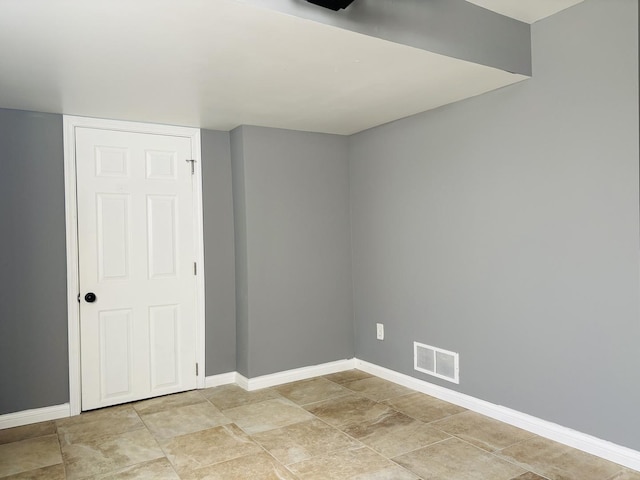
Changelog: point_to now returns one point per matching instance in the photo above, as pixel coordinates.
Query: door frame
(70, 123)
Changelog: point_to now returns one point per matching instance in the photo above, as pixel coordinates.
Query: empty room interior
(441, 196)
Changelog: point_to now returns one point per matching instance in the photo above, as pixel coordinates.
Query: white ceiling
(528, 11)
(218, 64)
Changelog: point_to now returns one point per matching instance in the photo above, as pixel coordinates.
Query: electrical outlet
(380, 331)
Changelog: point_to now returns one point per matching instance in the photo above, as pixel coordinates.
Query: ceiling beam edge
(455, 28)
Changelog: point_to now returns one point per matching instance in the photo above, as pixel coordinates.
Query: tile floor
(348, 425)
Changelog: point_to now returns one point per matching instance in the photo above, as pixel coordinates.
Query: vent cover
(436, 361)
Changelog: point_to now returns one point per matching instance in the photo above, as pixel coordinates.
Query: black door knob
(90, 297)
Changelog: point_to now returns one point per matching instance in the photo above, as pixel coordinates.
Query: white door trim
(70, 123)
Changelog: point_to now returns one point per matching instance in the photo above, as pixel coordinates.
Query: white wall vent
(436, 361)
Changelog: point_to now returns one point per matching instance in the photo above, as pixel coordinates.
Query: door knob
(90, 297)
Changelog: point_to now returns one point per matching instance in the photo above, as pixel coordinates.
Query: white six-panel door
(136, 254)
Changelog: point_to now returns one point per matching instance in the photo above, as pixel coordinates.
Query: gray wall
(242, 272)
(292, 210)
(505, 228)
(219, 253)
(34, 368)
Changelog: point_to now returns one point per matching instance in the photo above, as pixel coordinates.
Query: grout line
(382, 402)
(393, 462)
(515, 462)
(310, 404)
(278, 462)
(421, 447)
(64, 464)
(359, 441)
(497, 454)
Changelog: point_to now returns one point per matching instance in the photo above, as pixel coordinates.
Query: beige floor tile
(311, 391)
(183, 420)
(207, 447)
(423, 407)
(97, 423)
(231, 396)
(159, 469)
(304, 440)
(109, 452)
(529, 476)
(454, 459)
(254, 467)
(395, 433)
(351, 437)
(626, 474)
(393, 472)
(360, 463)
(54, 472)
(559, 462)
(481, 431)
(342, 411)
(30, 454)
(267, 415)
(347, 376)
(168, 402)
(16, 434)
(377, 389)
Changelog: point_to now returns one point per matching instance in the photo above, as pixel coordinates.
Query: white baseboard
(221, 379)
(294, 375)
(35, 415)
(602, 448)
(582, 441)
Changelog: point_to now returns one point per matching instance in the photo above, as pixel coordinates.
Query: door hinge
(193, 163)
(196, 369)
(195, 268)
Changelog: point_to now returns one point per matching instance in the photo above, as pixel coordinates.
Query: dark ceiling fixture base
(334, 5)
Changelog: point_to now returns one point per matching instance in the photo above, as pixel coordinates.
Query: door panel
(136, 252)
(114, 231)
(165, 325)
(162, 248)
(116, 329)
